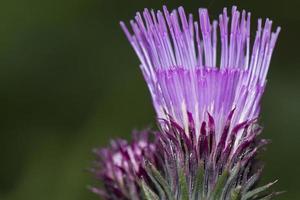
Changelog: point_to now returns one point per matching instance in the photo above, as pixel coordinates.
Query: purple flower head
(207, 110)
(187, 81)
(120, 166)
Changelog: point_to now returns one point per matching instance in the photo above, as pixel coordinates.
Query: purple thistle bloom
(207, 110)
(120, 165)
(179, 61)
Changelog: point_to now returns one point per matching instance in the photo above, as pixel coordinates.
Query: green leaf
(268, 197)
(218, 189)
(198, 186)
(148, 193)
(184, 190)
(157, 186)
(271, 196)
(159, 181)
(236, 193)
(250, 183)
(257, 191)
(231, 181)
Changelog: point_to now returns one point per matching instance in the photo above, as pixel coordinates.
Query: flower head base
(179, 61)
(200, 168)
(120, 166)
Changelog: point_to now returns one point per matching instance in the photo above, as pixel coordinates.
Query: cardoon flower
(207, 107)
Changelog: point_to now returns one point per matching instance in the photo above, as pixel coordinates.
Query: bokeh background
(69, 82)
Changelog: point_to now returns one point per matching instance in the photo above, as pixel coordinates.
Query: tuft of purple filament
(178, 56)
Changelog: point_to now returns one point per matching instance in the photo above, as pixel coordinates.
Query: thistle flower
(207, 109)
(119, 166)
(179, 61)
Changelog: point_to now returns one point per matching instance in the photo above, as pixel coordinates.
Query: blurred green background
(69, 82)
